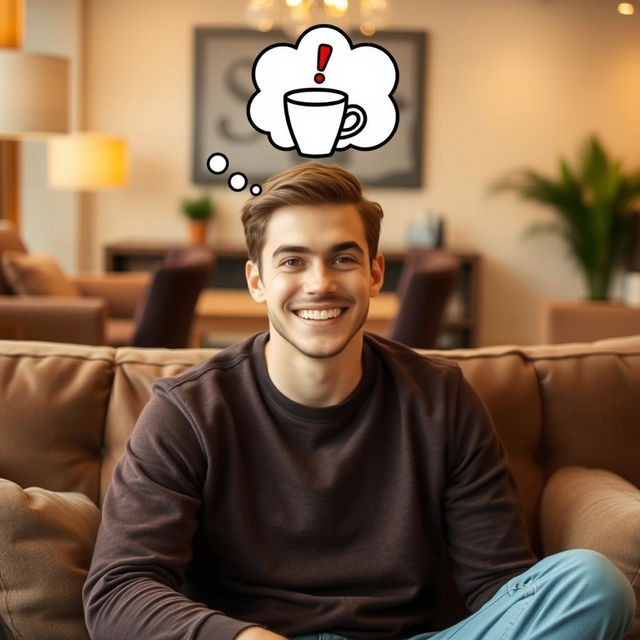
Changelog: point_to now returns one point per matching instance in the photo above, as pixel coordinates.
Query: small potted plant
(199, 212)
(592, 202)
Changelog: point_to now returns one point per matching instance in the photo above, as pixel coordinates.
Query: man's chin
(321, 354)
(316, 346)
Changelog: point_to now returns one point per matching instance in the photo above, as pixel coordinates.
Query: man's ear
(254, 282)
(377, 275)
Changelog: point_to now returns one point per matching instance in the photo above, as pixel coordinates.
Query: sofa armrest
(53, 319)
(122, 292)
(594, 509)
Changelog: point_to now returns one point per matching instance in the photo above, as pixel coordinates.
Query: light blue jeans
(573, 595)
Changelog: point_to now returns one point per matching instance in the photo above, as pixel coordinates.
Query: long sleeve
(485, 531)
(145, 539)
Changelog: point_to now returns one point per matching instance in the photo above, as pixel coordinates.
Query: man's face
(316, 277)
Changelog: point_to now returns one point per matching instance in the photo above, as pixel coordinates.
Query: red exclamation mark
(324, 53)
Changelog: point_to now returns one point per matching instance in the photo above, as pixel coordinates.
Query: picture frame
(222, 87)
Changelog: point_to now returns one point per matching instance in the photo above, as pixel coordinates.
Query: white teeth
(317, 314)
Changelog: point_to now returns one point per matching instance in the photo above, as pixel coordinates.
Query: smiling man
(303, 483)
(316, 285)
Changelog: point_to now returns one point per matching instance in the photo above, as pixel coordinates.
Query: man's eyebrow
(344, 246)
(341, 246)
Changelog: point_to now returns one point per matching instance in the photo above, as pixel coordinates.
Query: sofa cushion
(594, 509)
(589, 399)
(46, 542)
(135, 371)
(36, 274)
(53, 405)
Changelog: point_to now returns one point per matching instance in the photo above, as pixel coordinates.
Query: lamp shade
(86, 161)
(11, 23)
(34, 94)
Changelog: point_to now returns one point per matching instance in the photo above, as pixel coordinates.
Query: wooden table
(10, 332)
(233, 312)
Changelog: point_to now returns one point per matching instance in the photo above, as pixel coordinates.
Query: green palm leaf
(592, 201)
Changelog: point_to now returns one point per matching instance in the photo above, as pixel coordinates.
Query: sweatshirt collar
(293, 410)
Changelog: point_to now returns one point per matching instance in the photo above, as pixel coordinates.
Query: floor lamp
(34, 101)
(86, 162)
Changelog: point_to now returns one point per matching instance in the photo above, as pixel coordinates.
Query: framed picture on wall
(223, 59)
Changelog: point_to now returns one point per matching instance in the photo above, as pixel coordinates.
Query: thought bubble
(324, 94)
(237, 181)
(218, 163)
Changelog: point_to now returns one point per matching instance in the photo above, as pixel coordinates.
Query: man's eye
(344, 260)
(290, 262)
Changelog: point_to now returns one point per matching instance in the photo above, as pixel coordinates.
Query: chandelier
(294, 16)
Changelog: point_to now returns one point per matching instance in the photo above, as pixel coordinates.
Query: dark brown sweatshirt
(234, 505)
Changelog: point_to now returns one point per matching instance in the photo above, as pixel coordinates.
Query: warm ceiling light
(367, 28)
(626, 8)
(336, 8)
(294, 16)
(86, 161)
(266, 24)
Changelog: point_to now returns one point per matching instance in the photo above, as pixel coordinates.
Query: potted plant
(199, 211)
(592, 202)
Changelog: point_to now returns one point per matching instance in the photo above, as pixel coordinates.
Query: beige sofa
(569, 415)
(100, 311)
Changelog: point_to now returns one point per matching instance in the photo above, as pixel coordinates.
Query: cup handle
(357, 126)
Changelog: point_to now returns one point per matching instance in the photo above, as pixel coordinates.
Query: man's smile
(319, 314)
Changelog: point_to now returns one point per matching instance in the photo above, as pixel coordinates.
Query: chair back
(167, 313)
(9, 241)
(427, 280)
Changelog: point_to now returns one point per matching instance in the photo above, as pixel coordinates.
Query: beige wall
(509, 83)
(50, 219)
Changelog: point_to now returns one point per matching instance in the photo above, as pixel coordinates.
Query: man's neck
(314, 382)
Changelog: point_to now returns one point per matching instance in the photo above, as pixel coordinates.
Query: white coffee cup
(317, 117)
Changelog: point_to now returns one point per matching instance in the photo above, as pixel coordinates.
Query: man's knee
(603, 581)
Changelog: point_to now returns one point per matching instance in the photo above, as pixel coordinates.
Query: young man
(302, 483)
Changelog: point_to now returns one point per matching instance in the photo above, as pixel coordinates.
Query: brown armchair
(103, 300)
(164, 317)
(427, 281)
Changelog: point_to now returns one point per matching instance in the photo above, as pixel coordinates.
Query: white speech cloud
(348, 104)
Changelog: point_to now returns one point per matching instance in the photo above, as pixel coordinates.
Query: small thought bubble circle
(217, 163)
(237, 181)
(256, 189)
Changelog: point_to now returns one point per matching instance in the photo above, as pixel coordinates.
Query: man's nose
(319, 279)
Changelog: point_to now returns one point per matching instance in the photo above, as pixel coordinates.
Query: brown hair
(308, 183)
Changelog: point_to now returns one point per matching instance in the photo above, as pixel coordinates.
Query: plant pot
(198, 232)
(598, 282)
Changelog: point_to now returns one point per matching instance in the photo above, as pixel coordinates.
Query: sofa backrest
(66, 411)
(560, 405)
